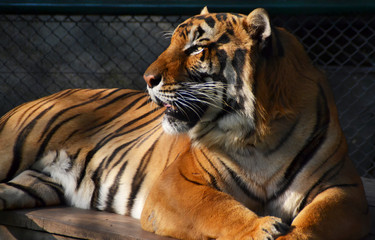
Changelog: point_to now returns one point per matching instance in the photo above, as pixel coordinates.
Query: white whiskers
(209, 93)
(167, 34)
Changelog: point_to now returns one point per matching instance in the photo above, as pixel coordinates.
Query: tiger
(237, 137)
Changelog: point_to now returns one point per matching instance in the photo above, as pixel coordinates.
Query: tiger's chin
(173, 126)
(181, 120)
(178, 122)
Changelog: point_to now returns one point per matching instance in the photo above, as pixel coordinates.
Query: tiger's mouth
(189, 112)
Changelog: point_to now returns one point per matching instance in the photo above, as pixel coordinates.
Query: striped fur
(82, 146)
(265, 131)
(241, 141)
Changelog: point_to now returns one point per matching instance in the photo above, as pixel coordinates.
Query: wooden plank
(77, 223)
(15, 233)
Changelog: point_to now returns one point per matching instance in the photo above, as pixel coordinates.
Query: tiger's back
(100, 145)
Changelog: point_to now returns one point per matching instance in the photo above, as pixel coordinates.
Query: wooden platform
(69, 223)
(72, 223)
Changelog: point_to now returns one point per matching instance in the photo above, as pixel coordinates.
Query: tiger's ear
(204, 11)
(258, 25)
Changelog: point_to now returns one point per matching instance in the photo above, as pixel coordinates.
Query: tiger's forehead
(209, 25)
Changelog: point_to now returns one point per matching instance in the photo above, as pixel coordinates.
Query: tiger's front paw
(269, 228)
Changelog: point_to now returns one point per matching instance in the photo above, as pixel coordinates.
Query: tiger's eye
(198, 50)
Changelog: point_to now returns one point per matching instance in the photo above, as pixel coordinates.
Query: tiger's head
(218, 76)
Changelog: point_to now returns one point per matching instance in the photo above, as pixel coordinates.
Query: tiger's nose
(152, 80)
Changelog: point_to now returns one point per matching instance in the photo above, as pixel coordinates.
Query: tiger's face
(205, 78)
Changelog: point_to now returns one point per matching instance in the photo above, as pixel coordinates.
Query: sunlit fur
(88, 148)
(269, 137)
(241, 141)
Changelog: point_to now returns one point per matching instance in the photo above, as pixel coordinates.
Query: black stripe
(187, 179)
(299, 162)
(112, 136)
(99, 171)
(28, 191)
(44, 101)
(47, 139)
(96, 95)
(71, 135)
(169, 156)
(234, 20)
(111, 93)
(76, 154)
(337, 167)
(230, 30)
(65, 93)
(328, 158)
(118, 133)
(224, 38)
(139, 177)
(204, 39)
(212, 178)
(118, 114)
(114, 189)
(147, 101)
(117, 150)
(25, 115)
(37, 171)
(209, 160)
(221, 16)
(54, 186)
(58, 114)
(222, 57)
(18, 146)
(305, 201)
(283, 139)
(238, 64)
(121, 158)
(72, 158)
(202, 58)
(199, 32)
(184, 29)
(210, 21)
(147, 135)
(311, 146)
(114, 100)
(96, 176)
(49, 181)
(213, 181)
(242, 185)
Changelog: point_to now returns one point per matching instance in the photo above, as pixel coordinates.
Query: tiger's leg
(337, 213)
(30, 189)
(182, 205)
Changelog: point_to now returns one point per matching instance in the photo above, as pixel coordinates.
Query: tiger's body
(242, 142)
(73, 136)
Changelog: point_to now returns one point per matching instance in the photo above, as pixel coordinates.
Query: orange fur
(202, 196)
(251, 149)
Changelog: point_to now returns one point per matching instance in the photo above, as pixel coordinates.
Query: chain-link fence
(42, 54)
